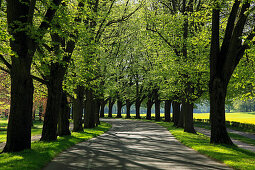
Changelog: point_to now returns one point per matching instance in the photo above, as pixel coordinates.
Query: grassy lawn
(231, 156)
(43, 152)
(36, 129)
(242, 117)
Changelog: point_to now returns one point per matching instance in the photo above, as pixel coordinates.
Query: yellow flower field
(244, 117)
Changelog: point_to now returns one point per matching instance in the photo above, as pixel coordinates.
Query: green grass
(43, 152)
(242, 117)
(230, 155)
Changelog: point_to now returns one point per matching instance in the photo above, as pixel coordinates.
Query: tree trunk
(167, 110)
(119, 106)
(157, 105)
(128, 105)
(78, 109)
(111, 103)
(157, 110)
(90, 116)
(218, 82)
(57, 72)
(219, 132)
(97, 111)
(176, 112)
(20, 117)
(149, 105)
(181, 117)
(137, 108)
(188, 117)
(63, 122)
(102, 105)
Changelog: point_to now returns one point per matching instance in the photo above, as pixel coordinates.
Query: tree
(20, 23)
(223, 60)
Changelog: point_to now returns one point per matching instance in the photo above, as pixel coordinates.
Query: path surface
(236, 142)
(132, 145)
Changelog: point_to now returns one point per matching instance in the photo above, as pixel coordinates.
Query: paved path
(245, 134)
(132, 145)
(236, 142)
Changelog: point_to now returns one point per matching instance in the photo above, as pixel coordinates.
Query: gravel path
(132, 145)
(236, 142)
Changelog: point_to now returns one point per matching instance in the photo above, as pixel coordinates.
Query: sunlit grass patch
(242, 117)
(43, 152)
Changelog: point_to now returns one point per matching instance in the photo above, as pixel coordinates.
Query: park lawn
(42, 153)
(36, 129)
(232, 156)
(242, 117)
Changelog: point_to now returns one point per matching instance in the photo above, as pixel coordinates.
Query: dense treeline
(142, 53)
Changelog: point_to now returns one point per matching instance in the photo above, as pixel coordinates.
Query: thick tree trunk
(137, 108)
(219, 132)
(149, 105)
(63, 122)
(111, 103)
(102, 105)
(188, 117)
(90, 116)
(128, 105)
(20, 117)
(167, 110)
(119, 106)
(49, 132)
(181, 117)
(176, 112)
(78, 109)
(220, 75)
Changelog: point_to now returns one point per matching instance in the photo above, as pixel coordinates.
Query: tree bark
(157, 105)
(49, 132)
(97, 110)
(137, 108)
(128, 105)
(119, 106)
(102, 105)
(78, 109)
(20, 117)
(167, 110)
(176, 112)
(219, 132)
(149, 105)
(181, 117)
(188, 117)
(63, 122)
(90, 116)
(111, 103)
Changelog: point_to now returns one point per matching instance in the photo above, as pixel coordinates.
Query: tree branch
(166, 41)
(123, 18)
(5, 70)
(39, 80)
(5, 62)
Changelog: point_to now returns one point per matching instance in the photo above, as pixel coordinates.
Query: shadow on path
(132, 145)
